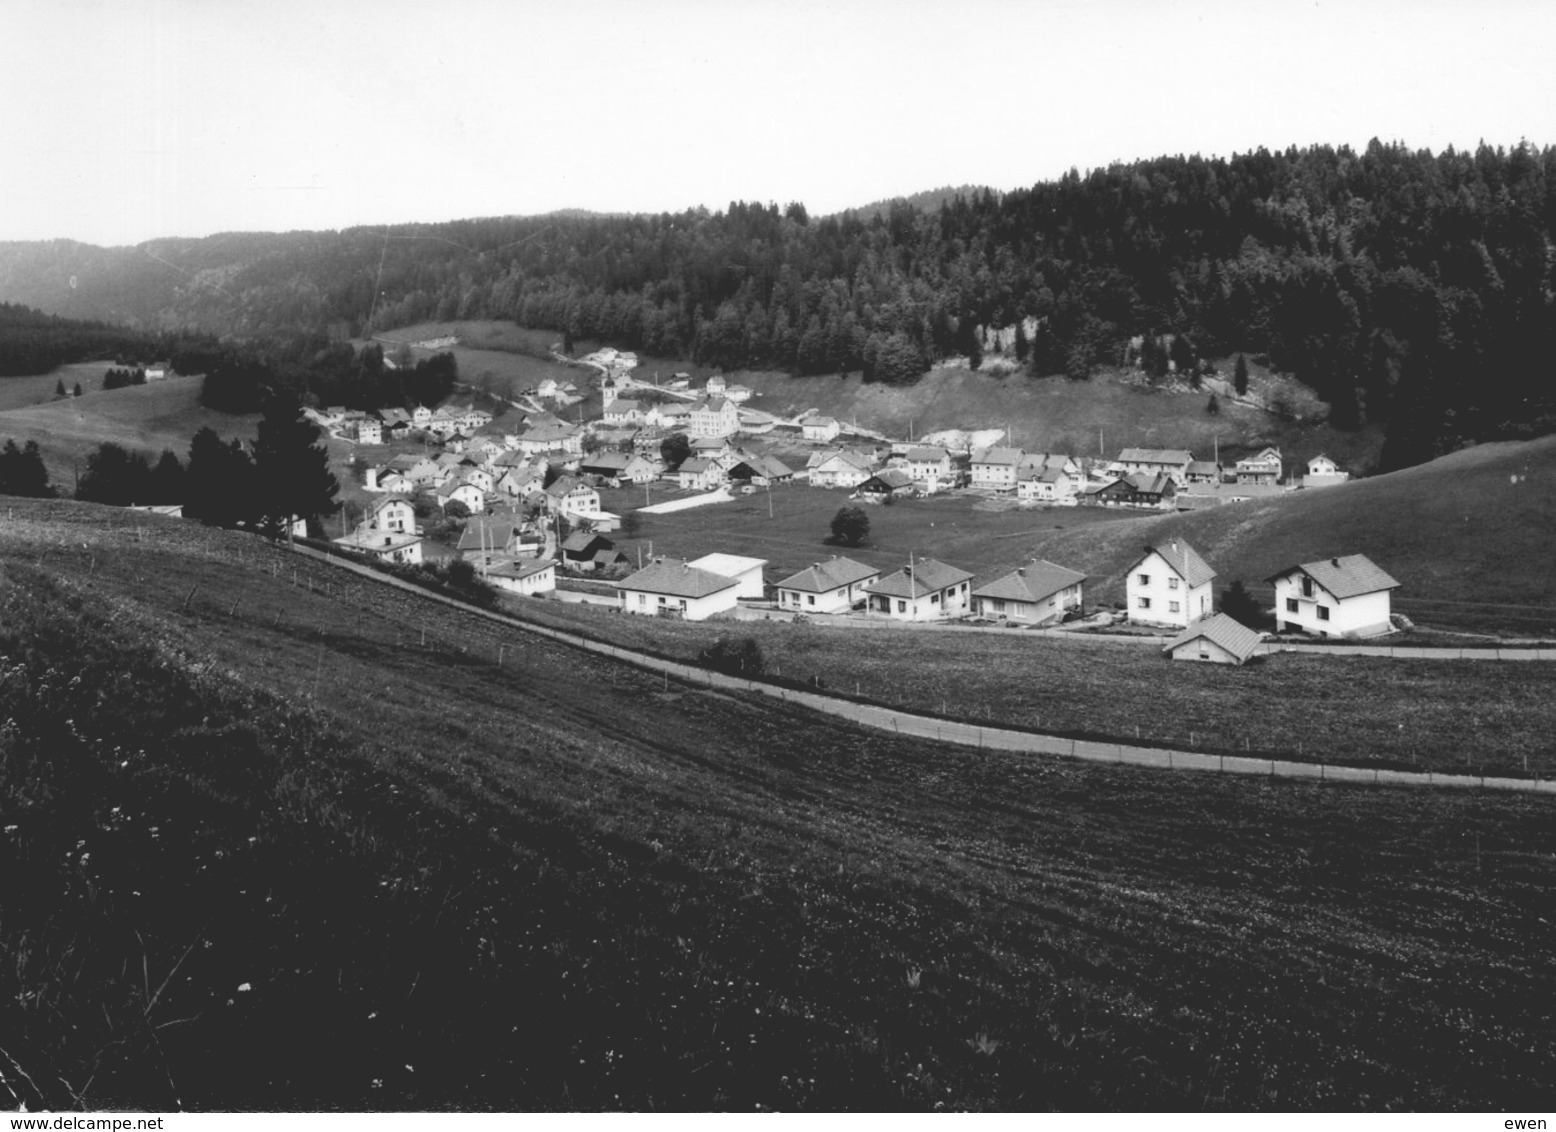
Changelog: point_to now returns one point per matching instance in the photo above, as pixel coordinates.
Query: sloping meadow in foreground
(264, 846)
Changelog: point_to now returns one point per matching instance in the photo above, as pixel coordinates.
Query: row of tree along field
(282, 474)
(1403, 286)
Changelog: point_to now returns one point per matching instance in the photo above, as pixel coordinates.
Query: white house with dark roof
(930, 467)
(995, 468)
(698, 474)
(1334, 597)
(467, 493)
(525, 578)
(1172, 462)
(1169, 585)
(1204, 472)
(392, 513)
(926, 590)
(1324, 472)
(677, 589)
(715, 416)
(1260, 470)
(569, 496)
(747, 572)
(1034, 594)
(1218, 639)
(843, 469)
(388, 546)
(820, 429)
(832, 586)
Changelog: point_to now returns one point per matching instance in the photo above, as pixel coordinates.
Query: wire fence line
(971, 734)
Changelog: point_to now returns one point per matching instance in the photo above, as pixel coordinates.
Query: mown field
(149, 418)
(1469, 536)
(266, 848)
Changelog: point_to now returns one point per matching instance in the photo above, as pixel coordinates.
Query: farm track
(974, 735)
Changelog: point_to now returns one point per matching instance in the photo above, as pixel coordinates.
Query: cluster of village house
(501, 479)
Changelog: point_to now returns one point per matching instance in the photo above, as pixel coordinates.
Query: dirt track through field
(975, 735)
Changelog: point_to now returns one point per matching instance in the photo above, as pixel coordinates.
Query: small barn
(1214, 640)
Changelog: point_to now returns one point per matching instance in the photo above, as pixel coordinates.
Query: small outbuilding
(1215, 640)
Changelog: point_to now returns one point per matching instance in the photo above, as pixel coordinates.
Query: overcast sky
(126, 120)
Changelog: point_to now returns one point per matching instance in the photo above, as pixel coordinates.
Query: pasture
(392, 873)
(149, 418)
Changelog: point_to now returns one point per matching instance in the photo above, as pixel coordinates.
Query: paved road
(973, 735)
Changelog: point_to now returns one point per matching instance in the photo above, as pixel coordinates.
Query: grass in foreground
(265, 848)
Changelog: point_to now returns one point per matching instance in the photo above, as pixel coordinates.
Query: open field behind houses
(377, 872)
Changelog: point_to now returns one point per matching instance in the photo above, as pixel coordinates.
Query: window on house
(1144, 602)
(810, 599)
(934, 599)
(1145, 579)
(1291, 605)
(1307, 587)
(1323, 613)
(999, 607)
(642, 599)
(1172, 607)
(1172, 583)
(902, 607)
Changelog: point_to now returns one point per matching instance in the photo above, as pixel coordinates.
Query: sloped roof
(696, 465)
(1183, 558)
(564, 485)
(926, 576)
(819, 422)
(1152, 483)
(927, 454)
(616, 461)
(997, 456)
(487, 533)
(622, 405)
(580, 542)
(1349, 576)
(833, 574)
(1155, 456)
(856, 460)
(1035, 581)
(1232, 635)
(379, 504)
(892, 479)
(1204, 468)
(713, 405)
(677, 579)
(1268, 456)
(547, 432)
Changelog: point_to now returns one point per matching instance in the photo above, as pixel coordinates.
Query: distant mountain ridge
(1407, 289)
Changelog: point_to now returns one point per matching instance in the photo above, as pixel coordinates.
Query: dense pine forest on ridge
(1407, 289)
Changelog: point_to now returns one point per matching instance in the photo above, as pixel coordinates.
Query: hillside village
(529, 498)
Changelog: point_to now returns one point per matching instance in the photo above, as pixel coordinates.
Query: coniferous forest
(1408, 289)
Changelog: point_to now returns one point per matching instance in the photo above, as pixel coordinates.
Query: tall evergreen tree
(22, 471)
(293, 468)
(1240, 376)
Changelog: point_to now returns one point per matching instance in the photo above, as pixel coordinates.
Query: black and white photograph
(762, 556)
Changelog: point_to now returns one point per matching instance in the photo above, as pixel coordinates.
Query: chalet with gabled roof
(1169, 585)
(1348, 596)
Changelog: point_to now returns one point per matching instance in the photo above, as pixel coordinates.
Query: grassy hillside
(267, 846)
(166, 414)
(1470, 536)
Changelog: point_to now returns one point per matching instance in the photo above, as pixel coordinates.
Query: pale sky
(126, 120)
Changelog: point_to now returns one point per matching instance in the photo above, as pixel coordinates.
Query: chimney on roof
(1335, 562)
(1021, 571)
